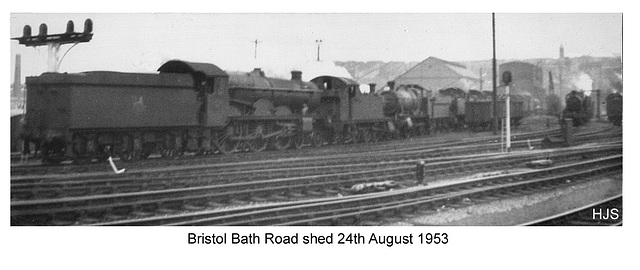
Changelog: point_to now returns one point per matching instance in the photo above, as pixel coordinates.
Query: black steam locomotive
(578, 107)
(614, 108)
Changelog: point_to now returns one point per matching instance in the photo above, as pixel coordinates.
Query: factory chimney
(17, 85)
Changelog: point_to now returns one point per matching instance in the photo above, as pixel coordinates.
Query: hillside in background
(579, 73)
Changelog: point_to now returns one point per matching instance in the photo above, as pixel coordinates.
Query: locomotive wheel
(422, 130)
(53, 152)
(105, 152)
(127, 156)
(147, 149)
(365, 135)
(338, 138)
(298, 141)
(375, 136)
(164, 151)
(349, 137)
(281, 143)
(317, 139)
(223, 143)
(258, 144)
(127, 151)
(79, 146)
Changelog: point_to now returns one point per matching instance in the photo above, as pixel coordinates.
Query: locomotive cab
(341, 100)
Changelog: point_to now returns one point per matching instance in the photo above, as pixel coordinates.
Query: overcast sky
(141, 42)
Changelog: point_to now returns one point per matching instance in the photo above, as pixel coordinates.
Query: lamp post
(495, 89)
(255, 49)
(506, 79)
(318, 41)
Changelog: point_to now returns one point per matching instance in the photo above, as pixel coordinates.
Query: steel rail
(367, 199)
(400, 171)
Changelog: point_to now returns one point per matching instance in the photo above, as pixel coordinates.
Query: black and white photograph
(360, 130)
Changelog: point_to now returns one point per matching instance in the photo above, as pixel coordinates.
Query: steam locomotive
(579, 107)
(614, 108)
(198, 107)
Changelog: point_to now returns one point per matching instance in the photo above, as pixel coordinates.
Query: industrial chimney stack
(17, 84)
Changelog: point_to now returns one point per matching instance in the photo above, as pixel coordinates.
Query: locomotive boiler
(266, 96)
(410, 105)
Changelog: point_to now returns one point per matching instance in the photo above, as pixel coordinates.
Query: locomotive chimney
(296, 75)
(372, 88)
(391, 85)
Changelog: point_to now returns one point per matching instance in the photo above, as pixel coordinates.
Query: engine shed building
(435, 74)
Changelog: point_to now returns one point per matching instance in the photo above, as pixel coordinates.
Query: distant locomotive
(579, 107)
(479, 109)
(410, 105)
(614, 108)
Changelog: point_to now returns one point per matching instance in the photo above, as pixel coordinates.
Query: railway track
(35, 187)
(368, 201)
(371, 209)
(123, 205)
(411, 153)
(599, 213)
(95, 208)
(349, 174)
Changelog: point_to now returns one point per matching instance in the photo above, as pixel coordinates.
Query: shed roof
(459, 69)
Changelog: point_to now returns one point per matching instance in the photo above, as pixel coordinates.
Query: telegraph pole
(495, 89)
(54, 41)
(319, 41)
(255, 50)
